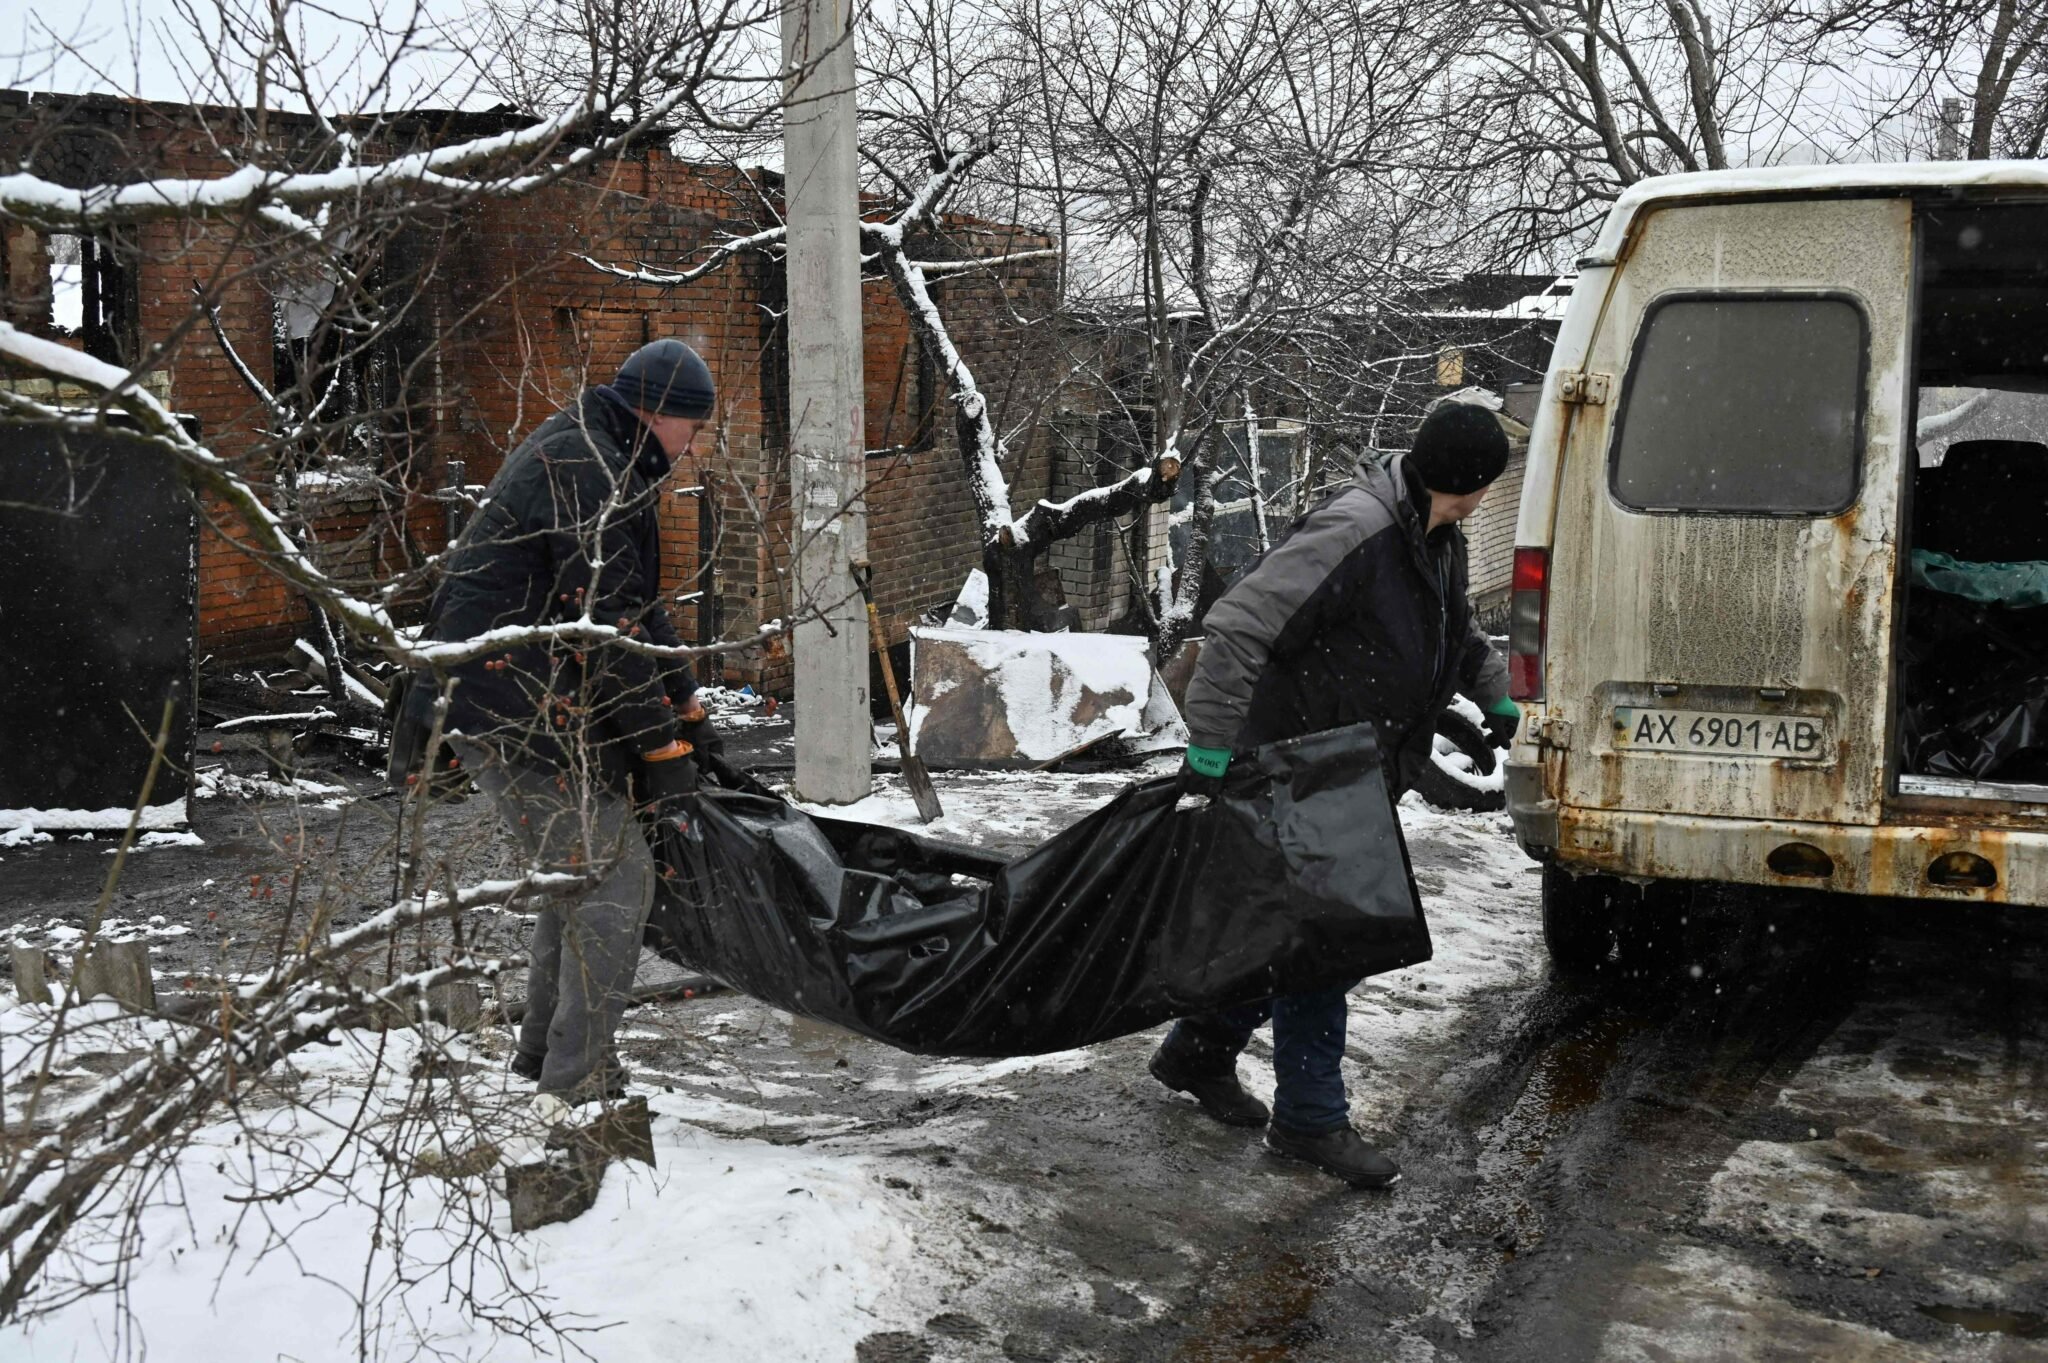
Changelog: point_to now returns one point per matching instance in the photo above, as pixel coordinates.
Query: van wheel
(1579, 914)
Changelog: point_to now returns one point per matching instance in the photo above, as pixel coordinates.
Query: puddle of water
(1980, 1320)
(1264, 1317)
(820, 1042)
(1567, 1080)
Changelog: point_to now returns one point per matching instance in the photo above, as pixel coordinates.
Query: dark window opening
(1743, 404)
(92, 296)
(770, 282)
(1973, 651)
(909, 423)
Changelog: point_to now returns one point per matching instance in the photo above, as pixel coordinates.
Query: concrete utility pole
(827, 466)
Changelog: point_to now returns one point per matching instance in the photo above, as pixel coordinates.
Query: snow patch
(149, 840)
(170, 815)
(927, 1077)
(1009, 808)
(55, 934)
(744, 1248)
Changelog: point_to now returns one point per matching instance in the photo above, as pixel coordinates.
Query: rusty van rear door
(1721, 579)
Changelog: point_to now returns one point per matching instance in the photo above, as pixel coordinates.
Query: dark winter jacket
(1354, 615)
(580, 490)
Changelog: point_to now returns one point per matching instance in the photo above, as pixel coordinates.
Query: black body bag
(1295, 878)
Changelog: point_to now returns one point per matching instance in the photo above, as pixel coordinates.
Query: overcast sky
(367, 53)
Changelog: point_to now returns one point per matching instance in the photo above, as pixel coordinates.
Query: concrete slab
(1012, 699)
(31, 967)
(117, 970)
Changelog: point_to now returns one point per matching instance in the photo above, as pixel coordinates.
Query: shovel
(914, 774)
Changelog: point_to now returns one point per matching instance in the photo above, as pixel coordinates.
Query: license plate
(1720, 733)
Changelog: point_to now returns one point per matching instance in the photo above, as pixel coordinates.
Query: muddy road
(1829, 1146)
(1813, 1129)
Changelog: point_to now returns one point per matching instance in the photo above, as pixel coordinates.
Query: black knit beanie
(666, 378)
(1460, 449)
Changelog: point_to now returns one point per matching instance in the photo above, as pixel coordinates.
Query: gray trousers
(585, 948)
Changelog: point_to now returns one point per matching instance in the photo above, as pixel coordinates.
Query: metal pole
(827, 467)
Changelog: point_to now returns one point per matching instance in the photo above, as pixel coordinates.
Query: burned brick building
(493, 312)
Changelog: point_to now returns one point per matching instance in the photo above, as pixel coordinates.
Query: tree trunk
(1014, 601)
(1177, 618)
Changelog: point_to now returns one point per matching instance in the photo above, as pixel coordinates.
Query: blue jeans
(1308, 1050)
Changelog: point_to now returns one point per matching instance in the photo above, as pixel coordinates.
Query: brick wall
(498, 321)
(1490, 536)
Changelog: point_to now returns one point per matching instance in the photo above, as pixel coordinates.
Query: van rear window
(1743, 404)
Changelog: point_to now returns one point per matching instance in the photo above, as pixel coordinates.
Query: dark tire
(1579, 917)
(1443, 788)
(1469, 739)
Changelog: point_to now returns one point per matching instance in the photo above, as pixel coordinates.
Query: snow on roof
(1716, 184)
(1547, 306)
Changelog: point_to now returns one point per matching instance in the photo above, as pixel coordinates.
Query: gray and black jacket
(570, 517)
(1354, 615)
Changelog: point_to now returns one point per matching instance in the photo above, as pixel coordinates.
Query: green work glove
(1503, 717)
(1202, 771)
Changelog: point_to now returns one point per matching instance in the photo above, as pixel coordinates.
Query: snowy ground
(1703, 1171)
(787, 1216)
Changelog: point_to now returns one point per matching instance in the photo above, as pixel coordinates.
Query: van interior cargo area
(1973, 652)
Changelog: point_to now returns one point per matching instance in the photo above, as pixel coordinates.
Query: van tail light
(1528, 623)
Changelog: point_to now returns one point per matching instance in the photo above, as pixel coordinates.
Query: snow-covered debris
(995, 698)
(970, 608)
(217, 782)
(739, 708)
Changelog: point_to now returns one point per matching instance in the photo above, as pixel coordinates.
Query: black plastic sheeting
(1976, 690)
(1295, 878)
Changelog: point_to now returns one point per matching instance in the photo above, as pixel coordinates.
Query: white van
(1780, 600)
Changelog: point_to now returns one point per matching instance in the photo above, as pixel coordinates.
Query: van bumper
(1915, 861)
(1533, 815)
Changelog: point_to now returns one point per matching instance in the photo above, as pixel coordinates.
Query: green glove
(1503, 717)
(1202, 772)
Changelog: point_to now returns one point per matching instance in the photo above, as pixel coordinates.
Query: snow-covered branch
(95, 1138)
(1049, 521)
(967, 263)
(54, 207)
(721, 254)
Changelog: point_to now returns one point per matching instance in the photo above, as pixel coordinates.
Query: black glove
(1502, 724)
(664, 782)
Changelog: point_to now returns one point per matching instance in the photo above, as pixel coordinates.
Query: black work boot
(608, 1084)
(1217, 1090)
(526, 1065)
(1342, 1152)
